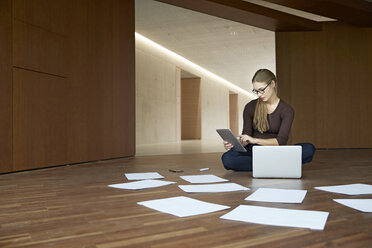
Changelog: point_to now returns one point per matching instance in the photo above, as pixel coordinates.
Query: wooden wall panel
(43, 14)
(190, 108)
(37, 49)
(74, 86)
(102, 80)
(40, 35)
(6, 126)
(326, 77)
(121, 127)
(234, 113)
(40, 120)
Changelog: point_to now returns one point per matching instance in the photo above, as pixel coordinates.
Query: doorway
(190, 109)
(234, 113)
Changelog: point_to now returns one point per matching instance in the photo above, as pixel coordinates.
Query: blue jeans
(242, 161)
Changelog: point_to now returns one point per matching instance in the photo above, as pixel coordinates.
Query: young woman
(267, 122)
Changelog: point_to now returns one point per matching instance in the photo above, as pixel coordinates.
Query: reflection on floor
(182, 147)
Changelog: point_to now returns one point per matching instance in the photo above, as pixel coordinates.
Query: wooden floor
(71, 206)
(181, 147)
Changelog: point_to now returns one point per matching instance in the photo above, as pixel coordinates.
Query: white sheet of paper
(278, 217)
(143, 184)
(143, 176)
(203, 179)
(182, 206)
(364, 205)
(277, 195)
(218, 187)
(348, 189)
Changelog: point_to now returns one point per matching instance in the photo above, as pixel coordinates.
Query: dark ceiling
(353, 12)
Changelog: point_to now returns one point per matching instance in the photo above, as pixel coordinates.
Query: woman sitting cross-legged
(267, 122)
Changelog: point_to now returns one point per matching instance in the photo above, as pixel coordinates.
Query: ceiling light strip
(193, 65)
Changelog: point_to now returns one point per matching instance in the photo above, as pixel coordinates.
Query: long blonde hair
(260, 121)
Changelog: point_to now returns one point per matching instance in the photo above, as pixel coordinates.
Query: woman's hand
(246, 139)
(228, 146)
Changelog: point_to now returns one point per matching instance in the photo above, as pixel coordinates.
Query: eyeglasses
(261, 91)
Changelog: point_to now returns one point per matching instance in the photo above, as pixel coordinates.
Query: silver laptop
(277, 161)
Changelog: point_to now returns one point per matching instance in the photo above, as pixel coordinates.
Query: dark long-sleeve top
(280, 122)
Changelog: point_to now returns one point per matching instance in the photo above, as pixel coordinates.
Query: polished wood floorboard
(71, 206)
(181, 147)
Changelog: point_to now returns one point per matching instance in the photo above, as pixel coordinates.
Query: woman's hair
(260, 121)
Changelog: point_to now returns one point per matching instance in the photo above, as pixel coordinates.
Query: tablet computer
(228, 136)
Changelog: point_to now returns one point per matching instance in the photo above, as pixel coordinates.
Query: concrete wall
(156, 100)
(158, 96)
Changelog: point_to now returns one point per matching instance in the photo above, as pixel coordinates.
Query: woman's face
(263, 90)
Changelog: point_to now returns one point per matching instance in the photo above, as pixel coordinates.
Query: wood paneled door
(234, 113)
(190, 109)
